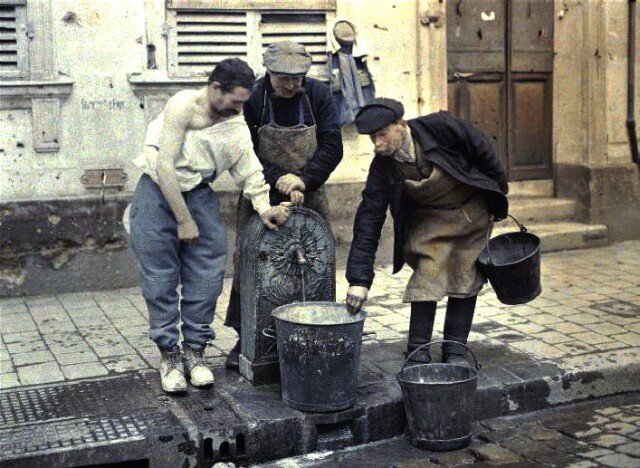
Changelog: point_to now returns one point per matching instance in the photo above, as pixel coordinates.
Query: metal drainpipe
(631, 78)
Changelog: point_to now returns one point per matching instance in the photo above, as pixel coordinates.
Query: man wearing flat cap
(295, 132)
(444, 185)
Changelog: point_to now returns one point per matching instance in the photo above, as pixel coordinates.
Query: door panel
(479, 99)
(532, 36)
(531, 128)
(486, 112)
(475, 35)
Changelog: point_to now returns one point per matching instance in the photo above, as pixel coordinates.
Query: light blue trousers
(164, 262)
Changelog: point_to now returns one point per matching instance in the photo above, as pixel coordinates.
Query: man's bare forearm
(170, 186)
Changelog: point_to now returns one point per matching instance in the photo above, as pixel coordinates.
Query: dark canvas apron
(290, 148)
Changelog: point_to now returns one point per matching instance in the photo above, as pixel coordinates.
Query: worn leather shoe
(422, 356)
(233, 359)
(199, 374)
(171, 374)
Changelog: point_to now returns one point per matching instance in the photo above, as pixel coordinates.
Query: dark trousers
(457, 323)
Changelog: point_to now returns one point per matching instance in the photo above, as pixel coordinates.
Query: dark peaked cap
(377, 114)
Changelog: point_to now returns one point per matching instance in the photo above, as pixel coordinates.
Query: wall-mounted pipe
(631, 82)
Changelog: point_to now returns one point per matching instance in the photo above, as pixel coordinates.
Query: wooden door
(500, 65)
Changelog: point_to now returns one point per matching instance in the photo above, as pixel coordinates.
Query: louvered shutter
(13, 41)
(199, 40)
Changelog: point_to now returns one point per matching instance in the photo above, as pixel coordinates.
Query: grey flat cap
(377, 114)
(288, 58)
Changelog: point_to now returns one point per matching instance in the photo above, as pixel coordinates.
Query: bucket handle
(522, 229)
(270, 332)
(475, 360)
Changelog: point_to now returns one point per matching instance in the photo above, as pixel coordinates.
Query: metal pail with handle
(439, 401)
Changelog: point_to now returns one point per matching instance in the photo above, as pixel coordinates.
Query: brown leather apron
(445, 235)
(291, 148)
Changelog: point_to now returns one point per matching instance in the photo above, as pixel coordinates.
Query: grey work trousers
(165, 261)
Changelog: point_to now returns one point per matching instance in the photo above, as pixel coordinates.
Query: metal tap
(299, 256)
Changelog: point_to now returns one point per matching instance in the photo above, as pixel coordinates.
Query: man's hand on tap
(275, 216)
(356, 295)
(290, 182)
(297, 197)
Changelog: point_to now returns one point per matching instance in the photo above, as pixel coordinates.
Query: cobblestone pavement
(605, 433)
(587, 315)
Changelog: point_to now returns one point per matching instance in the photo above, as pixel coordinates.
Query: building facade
(79, 81)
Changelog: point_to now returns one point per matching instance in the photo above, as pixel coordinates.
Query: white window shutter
(200, 39)
(13, 41)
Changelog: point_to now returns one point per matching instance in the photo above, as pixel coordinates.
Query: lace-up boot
(171, 374)
(199, 374)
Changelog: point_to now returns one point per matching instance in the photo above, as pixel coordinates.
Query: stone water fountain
(294, 264)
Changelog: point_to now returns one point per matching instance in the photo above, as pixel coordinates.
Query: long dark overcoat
(455, 146)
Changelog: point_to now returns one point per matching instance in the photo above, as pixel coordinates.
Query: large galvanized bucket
(439, 401)
(319, 350)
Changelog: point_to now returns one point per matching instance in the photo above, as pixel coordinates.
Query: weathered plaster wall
(568, 133)
(590, 83)
(101, 121)
(592, 154)
(388, 28)
(18, 162)
(616, 26)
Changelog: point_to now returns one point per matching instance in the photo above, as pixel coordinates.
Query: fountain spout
(299, 256)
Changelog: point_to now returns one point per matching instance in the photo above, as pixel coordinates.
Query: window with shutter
(13, 40)
(201, 37)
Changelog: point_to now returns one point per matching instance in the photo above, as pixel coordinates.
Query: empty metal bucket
(511, 262)
(439, 401)
(319, 350)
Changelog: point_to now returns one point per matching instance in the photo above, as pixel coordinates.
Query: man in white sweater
(177, 232)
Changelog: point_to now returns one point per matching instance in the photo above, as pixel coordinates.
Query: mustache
(300, 89)
(227, 112)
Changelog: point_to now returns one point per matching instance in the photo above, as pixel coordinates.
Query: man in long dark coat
(445, 186)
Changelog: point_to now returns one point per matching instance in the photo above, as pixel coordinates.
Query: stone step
(563, 235)
(538, 209)
(531, 188)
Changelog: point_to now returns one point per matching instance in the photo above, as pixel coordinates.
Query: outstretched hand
(356, 295)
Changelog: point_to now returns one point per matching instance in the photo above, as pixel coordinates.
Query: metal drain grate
(53, 437)
(32, 438)
(66, 420)
(73, 400)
